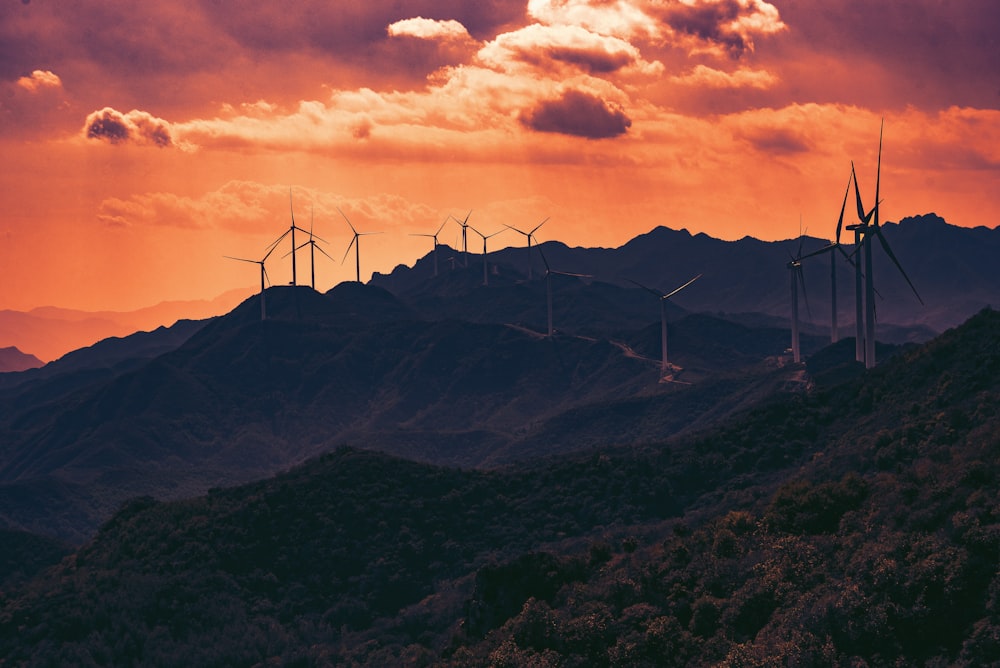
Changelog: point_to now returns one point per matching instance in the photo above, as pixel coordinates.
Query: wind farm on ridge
(859, 258)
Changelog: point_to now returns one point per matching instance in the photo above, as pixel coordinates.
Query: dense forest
(853, 522)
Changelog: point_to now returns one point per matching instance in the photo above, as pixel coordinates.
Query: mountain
(235, 399)
(12, 359)
(952, 268)
(50, 332)
(854, 524)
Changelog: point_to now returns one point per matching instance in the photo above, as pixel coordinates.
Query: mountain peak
(12, 359)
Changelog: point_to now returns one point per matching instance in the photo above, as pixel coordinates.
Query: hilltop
(855, 522)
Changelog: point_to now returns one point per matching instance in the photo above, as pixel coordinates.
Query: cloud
(728, 26)
(580, 114)
(700, 26)
(135, 127)
(549, 47)
(620, 18)
(253, 208)
(703, 76)
(39, 80)
(429, 29)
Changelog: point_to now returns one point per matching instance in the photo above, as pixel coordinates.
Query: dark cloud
(593, 60)
(777, 141)
(709, 21)
(135, 127)
(579, 114)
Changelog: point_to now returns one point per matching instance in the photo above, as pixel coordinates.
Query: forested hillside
(857, 522)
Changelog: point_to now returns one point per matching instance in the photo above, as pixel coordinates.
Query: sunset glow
(145, 141)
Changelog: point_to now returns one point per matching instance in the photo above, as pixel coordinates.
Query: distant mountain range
(953, 268)
(12, 359)
(49, 332)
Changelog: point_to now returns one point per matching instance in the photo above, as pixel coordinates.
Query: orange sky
(144, 141)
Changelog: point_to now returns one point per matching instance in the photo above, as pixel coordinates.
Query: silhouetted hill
(50, 332)
(108, 354)
(12, 359)
(951, 267)
(844, 526)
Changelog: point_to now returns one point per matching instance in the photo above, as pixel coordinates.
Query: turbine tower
(663, 297)
(355, 242)
(263, 273)
(548, 288)
(796, 276)
(435, 238)
(530, 235)
(465, 237)
(836, 246)
(292, 229)
(312, 249)
(486, 280)
(868, 227)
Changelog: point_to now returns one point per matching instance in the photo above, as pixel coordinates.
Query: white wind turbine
(435, 238)
(797, 278)
(867, 228)
(263, 272)
(292, 229)
(312, 249)
(465, 237)
(663, 297)
(355, 241)
(530, 235)
(836, 246)
(486, 280)
(548, 287)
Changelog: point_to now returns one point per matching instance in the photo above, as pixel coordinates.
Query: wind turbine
(292, 230)
(548, 287)
(263, 273)
(530, 235)
(486, 280)
(465, 240)
(836, 246)
(663, 297)
(867, 228)
(435, 238)
(797, 277)
(312, 249)
(357, 245)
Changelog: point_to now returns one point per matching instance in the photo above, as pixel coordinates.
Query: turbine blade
(511, 227)
(655, 293)
(547, 270)
(802, 281)
(878, 172)
(824, 249)
(671, 294)
(539, 225)
(895, 261)
(840, 219)
(844, 253)
(267, 279)
(349, 246)
(857, 195)
(241, 259)
(324, 252)
(347, 219)
(442, 227)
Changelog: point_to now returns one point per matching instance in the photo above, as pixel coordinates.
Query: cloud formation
(136, 127)
(580, 114)
(38, 80)
(429, 29)
(727, 26)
